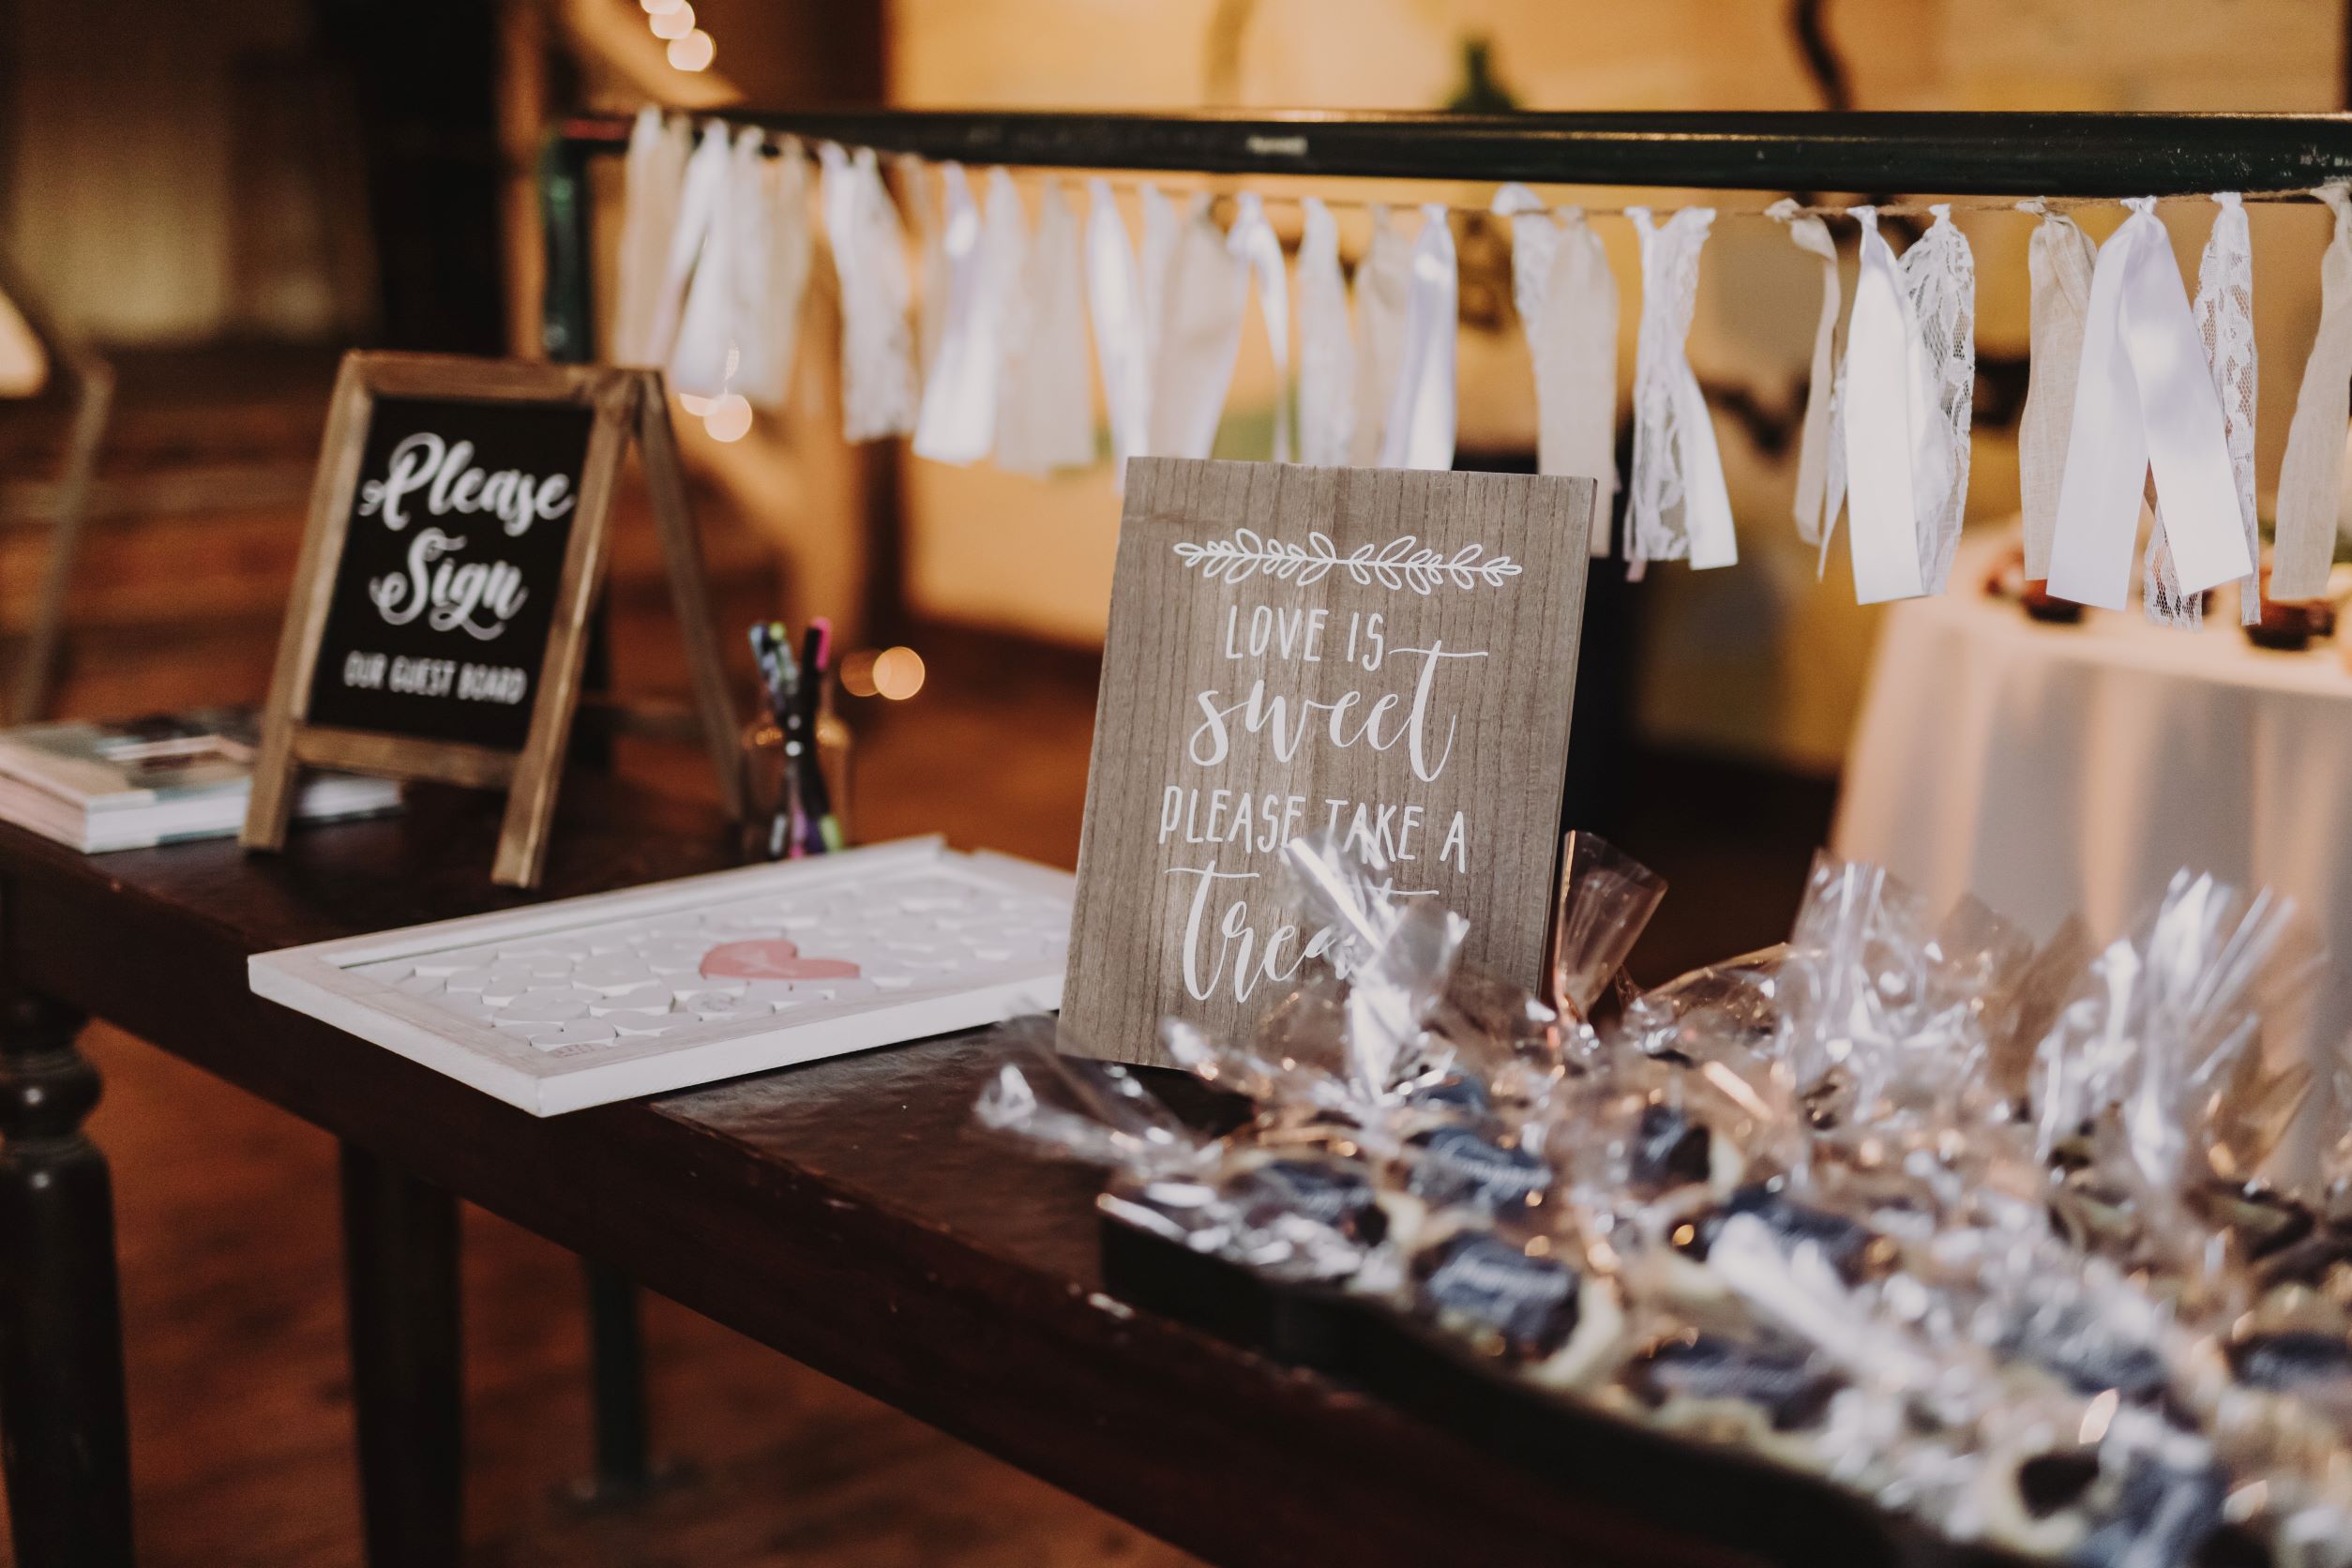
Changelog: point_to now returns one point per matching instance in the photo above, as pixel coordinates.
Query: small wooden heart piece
(771, 958)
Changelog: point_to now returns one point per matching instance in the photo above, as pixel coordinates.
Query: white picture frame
(342, 982)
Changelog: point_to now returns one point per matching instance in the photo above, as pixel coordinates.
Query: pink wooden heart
(771, 958)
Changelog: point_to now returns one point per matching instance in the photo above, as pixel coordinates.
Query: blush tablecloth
(2051, 769)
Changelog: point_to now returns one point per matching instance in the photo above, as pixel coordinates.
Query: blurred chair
(36, 361)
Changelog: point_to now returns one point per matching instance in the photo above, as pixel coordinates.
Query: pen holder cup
(773, 795)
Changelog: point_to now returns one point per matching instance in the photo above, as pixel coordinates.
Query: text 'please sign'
(453, 554)
(1386, 653)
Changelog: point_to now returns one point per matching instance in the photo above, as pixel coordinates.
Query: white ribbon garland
(764, 374)
(715, 250)
(1327, 351)
(983, 253)
(1887, 397)
(1046, 413)
(869, 263)
(727, 302)
(2224, 309)
(1114, 296)
(1677, 507)
(2059, 265)
(2144, 400)
(653, 174)
(1910, 375)
(1833, 488)
(1939, 274)
(1163, 227)
(1383, 280)
(934, 277)
(1253, 244)
(1421, 412)
(699, 195)
(1204, 295)
(2310, 479)
(1812, 509)
(1566, 298)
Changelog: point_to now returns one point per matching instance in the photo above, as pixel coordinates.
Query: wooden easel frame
(627, 404)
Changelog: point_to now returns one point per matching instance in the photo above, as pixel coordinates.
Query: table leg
(63, 1434)
(616, 1355)
(400, 1284)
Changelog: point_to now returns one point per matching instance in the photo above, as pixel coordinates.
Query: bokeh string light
(690, 49)
(727, 416)
(893, 674)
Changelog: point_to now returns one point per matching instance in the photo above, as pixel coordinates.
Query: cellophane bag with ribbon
(2017, 1240)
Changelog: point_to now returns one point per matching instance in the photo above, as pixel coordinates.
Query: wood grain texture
(1419, 636)
(477, 767)
(689, 590)
(271, 804)
(531, 797)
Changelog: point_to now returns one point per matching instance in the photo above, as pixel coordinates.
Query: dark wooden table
(845, 1213)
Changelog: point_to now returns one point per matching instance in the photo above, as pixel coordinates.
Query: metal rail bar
(1951, 154)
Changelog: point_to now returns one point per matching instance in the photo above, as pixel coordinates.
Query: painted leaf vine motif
(1404, 562)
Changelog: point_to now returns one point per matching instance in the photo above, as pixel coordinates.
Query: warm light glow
(694, 405)
(857, 672)
(730, 417)
(898, 673)
(660, 8)
(676, 22)
(693, 52)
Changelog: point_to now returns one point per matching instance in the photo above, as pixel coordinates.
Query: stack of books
(146, 781)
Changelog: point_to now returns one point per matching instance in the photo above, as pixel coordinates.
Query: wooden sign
(457, 542)
(1385, 652)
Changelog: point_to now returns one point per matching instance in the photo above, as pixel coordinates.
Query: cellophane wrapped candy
(2017, 1240)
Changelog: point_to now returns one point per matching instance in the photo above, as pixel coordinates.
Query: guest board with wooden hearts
(582, 1001)
(1385, 656)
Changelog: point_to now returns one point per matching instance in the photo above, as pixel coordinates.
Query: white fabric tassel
(726, 304)
(934, 279)
(2224, 309)
(1114, 295)
(764, 376)
(1327, 351)
(656, 170)
(1814, 518)
(2310, 478)
(1163, 226)
(2144, 400)
(1834, 484)
(699, 200)
(1046, 414)
(1567, 303)
(984, 252)
(1383, 280)
(1677, 507)
(1421, 412)
(1252, 242)
(1204, 291)
(1939, 274)
(2058, 262)
(1888, 395)
(869, 261)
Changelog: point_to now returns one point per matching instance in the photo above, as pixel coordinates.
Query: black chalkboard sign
(440, 607)
(457, 541)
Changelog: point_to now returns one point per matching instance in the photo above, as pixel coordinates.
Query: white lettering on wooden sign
(1383, 655)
